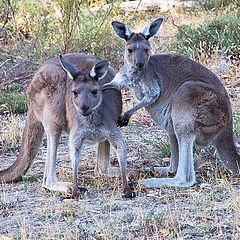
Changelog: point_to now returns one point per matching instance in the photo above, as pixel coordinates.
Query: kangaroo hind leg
(185, 176)
(164, 171)
(118, 144)
(103, 157)
(50, 180)
(183, 118)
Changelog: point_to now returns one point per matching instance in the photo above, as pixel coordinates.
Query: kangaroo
(65, 95)
(183, 97)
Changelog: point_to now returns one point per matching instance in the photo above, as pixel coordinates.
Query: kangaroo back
(31, 140)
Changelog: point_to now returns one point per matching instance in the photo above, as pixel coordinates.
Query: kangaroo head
(137, 46)
(86, 93)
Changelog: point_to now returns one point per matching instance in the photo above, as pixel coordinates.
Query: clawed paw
(75, 192)
(130, 195)
(123, 121)
(129, 191)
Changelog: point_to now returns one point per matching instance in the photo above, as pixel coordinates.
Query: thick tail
(227, 151)
(31, 140)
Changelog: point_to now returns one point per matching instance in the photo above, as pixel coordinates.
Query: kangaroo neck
(133, 74)
(92, 120)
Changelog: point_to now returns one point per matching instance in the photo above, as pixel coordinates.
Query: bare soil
(208, 210)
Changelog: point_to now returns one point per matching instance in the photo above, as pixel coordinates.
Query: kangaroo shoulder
(49, 76)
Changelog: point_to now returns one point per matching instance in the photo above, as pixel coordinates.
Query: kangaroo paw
(76, 192)
(128, 191)
(123, 120)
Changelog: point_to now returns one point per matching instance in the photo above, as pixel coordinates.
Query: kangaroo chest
(138, 87)
(90, 130)
(160, 111)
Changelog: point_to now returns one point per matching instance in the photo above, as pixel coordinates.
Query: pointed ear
(99, 70)
(71, 71)
(122, 30)
(152, 28)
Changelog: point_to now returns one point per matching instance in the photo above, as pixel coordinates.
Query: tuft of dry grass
(11, 129)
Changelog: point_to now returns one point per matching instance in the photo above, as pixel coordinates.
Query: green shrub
(220, 34)
(13, 99)
(210, 4)
(236, 124)
(48, 28)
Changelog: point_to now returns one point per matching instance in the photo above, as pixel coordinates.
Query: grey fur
(183, 97)
(78, 106)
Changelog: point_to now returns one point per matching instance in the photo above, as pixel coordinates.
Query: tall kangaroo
(76, 105)
(183, 97)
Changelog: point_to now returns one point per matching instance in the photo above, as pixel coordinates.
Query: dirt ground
(208, 210)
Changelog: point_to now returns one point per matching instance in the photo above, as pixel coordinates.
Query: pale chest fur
(159, 111)
(136, 82)
(90, 128)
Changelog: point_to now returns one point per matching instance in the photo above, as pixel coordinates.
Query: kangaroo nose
(84, 109)
(140, 65)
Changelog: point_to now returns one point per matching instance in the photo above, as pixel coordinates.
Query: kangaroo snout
(85, 110)
(140, 65)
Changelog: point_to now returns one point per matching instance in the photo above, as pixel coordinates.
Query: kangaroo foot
(57, 186)
(170, 182)
(128, 191)
(76, 191)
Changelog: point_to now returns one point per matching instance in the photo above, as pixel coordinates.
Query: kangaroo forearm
(118, 82)
(110, 85)
(146, 101)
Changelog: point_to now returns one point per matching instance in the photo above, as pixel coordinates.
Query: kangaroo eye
(130, 51)
(95, 92)
(75, 94)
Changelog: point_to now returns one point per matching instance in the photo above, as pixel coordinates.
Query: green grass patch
(13, 99)
(221, 34)
(41, 30)
(236, 124)
(215, 4)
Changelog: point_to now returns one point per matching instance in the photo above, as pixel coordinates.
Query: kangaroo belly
(93, 135)
(161, 115)
(93, 139)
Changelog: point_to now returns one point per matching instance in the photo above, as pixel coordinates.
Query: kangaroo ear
(71, 71)
(122, 30)
(152, 28)
(99, 70)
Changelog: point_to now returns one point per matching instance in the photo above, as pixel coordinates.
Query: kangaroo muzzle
(139, 60)
(85, 110)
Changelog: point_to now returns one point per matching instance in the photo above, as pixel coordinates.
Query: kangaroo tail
(227, 151)
(31, 140)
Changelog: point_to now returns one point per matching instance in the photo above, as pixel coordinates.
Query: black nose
(84, 109)
(140, 65)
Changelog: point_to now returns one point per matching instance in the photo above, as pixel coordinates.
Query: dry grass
(208, 210)
(11, 129)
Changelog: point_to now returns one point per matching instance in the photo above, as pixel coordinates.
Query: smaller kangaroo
(76, 105)
(183, 97)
